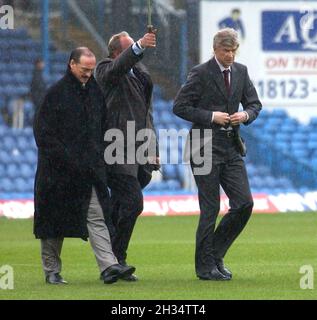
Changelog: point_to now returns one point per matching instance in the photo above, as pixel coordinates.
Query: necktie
(227, 82)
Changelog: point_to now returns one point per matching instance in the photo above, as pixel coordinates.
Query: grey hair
(227, 37)
(115, 44)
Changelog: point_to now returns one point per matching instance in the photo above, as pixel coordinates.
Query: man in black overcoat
(127, 87)
(210, 99)
(71, 195)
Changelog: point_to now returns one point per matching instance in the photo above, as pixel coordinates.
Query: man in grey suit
(210, 99)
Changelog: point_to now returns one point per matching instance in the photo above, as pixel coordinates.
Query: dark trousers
(127, 205)
(228, 170)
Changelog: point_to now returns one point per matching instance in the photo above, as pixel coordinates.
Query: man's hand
(237, 118)
(148, 41)
(221, 118)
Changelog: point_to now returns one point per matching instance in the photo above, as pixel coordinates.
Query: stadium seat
(6, 185)
(5, 157)
(13, 171)
(3, 171)
(173, 185)
(8, 143)
(30, 157)
(16, 156)
(313, 122)
(279, 113)
(26, 171)
(20, 185)
(299, 137)
(170, 171)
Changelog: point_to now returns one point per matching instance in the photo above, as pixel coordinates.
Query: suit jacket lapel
(218, 77)
(234, 79)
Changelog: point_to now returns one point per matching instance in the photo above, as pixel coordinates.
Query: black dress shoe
(131, 278)
(214, 274)
(115, 272)
(55, 278)
(221, 267)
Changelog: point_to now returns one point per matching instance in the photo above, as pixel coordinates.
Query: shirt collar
(222, 68)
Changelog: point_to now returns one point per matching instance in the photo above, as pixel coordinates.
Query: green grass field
(265, 261)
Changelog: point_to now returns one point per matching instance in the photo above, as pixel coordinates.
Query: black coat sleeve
(111, 71)
(250, 100)
(188, 98)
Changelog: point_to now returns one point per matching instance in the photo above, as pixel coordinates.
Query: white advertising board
(278, 44)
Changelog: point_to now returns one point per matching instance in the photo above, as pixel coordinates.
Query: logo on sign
(289, 31)
(6, 17)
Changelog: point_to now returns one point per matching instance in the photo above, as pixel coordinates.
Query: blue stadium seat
(170, 171)
(279, 113)
(312, 144)
(266, 137)
(298, 145)
(157, 92)
(264, 114)
(283, 146)
(270, 182)
(3, 171)
(20, 185)
(270, 128)
(314, 163)
(313, 122)
(3, 131)
(173, 185)
(8, 143)
(28, 132)
(5, 157)
(16, 156)
(166, 117)
(288, 128)
(312, 136)
(30, 185)
(160, 105)
(30, 157)
(299, 137)
(32, 142)
(6, 185)
(301, 153)
(283, 137)
(304, 129)
(274, 122)
(284, 183)
(26, 171)
(13, 171)
(23, 143)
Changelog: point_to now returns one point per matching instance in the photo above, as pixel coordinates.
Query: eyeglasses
(84, 69)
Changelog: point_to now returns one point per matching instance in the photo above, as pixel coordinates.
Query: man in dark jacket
(127, 88)
(71, 195)
(210, 99)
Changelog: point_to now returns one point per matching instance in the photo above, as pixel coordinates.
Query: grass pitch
(265, 261)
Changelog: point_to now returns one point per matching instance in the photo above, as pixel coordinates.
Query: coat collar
(76, 83)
